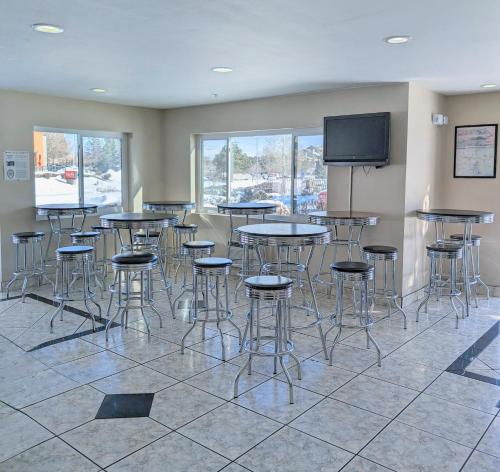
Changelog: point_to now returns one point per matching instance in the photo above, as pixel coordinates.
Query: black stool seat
(268, 282)
(460, 237)
(351, 266)
(102, 228)
(152, 234)
(381, 249)
(446, 247)
(213, 262)
(85, 234)
(75, 250)
(134, 258)
(198, 244)
(186, 226)
(29, 234)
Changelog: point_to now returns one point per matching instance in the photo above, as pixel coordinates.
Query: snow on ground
(97, 191)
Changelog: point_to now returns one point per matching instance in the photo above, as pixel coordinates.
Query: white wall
(20, 112)
(382, 191)
(425, 146)
(476, 194)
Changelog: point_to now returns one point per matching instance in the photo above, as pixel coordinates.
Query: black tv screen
(351, 140)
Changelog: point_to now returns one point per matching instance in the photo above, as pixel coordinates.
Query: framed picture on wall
(475, 151)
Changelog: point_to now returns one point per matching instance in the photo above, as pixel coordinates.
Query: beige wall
(381, 191)
(424, 149)
(476, 194)
(20, 112)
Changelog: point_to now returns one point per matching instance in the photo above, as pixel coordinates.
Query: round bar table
(169, 206)
(136, 221)
(290, 236)
(54, 212)
(131, 222)
(354, 221)
(245, 209)
(465, 217)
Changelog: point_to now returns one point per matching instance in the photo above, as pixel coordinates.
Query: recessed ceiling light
(222, 70)
(98, 90)
(488, 86)
(397, 39)
(47, 28)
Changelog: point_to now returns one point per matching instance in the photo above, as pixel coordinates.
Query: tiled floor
(432, 406)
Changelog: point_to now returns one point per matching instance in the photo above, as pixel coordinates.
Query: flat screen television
(357, 140)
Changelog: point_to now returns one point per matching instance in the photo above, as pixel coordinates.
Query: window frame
(80, 133)
(293, 132)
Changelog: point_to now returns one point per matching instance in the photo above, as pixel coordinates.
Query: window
(214, 163)
(78, 167)
(310, 183)
(285, 167)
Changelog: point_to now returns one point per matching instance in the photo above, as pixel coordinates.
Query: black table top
(343, 218)
(458, 216)
(283, 230)
(343, 214)
(65, 209)
(135, 217)
(66, 206)
(450, 212)
(247, 206)
(174, 204)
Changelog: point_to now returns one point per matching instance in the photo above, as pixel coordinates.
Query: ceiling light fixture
(47, 28)
(98, 90)
(222, 70)
(487, 86)
(401, 39)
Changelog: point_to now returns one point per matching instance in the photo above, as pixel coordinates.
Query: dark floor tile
(125, 405)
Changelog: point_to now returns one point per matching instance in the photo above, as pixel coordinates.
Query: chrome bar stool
(359, 274)
(247, 263)
(347, 229)
(103, 263)
(153, 241)
(145, 239)
(384, 256)
(475, 243)
(288, 263)
(150, 241)
(277, 290)
(442, 252)
(31, 264)
(205, 269)
(192, 250)
(89, 238)
(132, 282)
(182, 233)
(68, 258)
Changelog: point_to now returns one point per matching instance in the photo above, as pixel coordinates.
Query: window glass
(77, 168)
(56, 168)
(310, 174)
(261, 170)
(214, 178)
(264, 168)
(102, 170)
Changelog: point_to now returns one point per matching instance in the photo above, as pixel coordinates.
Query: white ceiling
(159, 53)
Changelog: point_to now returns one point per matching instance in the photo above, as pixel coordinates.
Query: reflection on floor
(71, 401)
